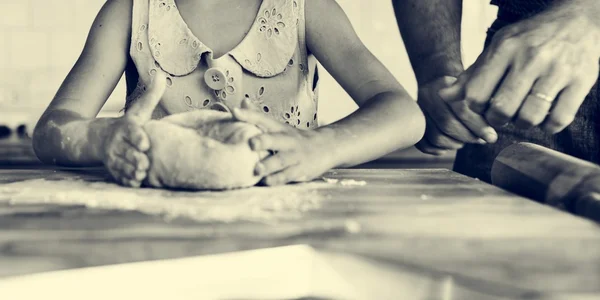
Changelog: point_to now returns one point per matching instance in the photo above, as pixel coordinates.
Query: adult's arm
(431, 31)
(431, 34)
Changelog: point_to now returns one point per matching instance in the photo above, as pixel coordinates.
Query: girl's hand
(126, 144)
(299, 155)
(124, 152)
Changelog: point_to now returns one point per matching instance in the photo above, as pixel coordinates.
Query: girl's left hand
(298, 155)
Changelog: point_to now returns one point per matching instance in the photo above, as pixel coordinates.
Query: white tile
(53, 14)
(116, 101)
(28, 50)
(85, 13)
(15, 13)
(65, 49)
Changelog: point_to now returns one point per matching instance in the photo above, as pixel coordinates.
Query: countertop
(432, 222)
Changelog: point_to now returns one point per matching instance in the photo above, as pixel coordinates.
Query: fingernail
(481, 141)
(259, 169)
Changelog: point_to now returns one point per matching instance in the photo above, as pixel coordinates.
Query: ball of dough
(202, 149)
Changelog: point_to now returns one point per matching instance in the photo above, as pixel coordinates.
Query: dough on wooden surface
(203, 149)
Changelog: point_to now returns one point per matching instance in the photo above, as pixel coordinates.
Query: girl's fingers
(272, 141)
(138, 138)
(138, 159)
(473, 122)
(142, 108)
(293, 174)
(125, 168)
(275, 163)
(439, 139)
(259, 119)
(462, 123)
(121, 171)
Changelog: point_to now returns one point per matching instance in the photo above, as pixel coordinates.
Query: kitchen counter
(430, 222)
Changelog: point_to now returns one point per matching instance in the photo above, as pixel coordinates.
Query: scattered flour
(258, 204)
(345, 182)
(353, 226)
(350, 182)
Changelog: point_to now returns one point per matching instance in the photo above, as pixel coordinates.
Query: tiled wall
(41, 39)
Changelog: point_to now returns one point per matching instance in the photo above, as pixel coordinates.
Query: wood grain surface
(430, 222)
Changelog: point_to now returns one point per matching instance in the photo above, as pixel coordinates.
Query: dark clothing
(581, 139)
(522, 8)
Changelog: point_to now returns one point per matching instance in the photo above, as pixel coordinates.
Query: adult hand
(299, 155)
(448, 130)
(536, 72)
(126, 143)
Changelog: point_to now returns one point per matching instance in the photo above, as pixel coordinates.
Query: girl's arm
(68, 133)
(388, 118)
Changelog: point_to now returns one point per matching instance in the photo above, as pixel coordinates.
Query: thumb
(142, 108)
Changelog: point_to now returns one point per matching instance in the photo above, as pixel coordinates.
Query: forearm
(431, 32)
(64, 138)
(389, 121)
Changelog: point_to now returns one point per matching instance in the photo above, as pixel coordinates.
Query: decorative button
(215, 79)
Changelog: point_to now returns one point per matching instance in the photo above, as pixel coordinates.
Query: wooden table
(432, 223)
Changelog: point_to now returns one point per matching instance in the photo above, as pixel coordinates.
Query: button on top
(215, 78)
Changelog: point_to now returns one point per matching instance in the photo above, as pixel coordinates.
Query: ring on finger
(542, 96)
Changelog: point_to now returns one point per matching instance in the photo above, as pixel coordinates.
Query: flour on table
(345, 182)
(257, 204)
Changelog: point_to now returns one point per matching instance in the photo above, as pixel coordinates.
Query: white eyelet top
(270, 66)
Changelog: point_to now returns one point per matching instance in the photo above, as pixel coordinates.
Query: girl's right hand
(124, 152)
(126, 144)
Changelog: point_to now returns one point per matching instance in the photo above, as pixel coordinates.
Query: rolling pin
(549, 177)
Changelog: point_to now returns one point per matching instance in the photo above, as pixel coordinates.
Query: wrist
(436, 67)
(100, 132)
(574, 9)
(324, 138)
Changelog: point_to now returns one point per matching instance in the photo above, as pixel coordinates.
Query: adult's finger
(480, 81)
(566, 107)
(276, 163)
(272, 141)
(259, 119)
(539, 101)
(510, 95)
(142, 108)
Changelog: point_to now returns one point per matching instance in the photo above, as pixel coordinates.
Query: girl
(255, 58)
